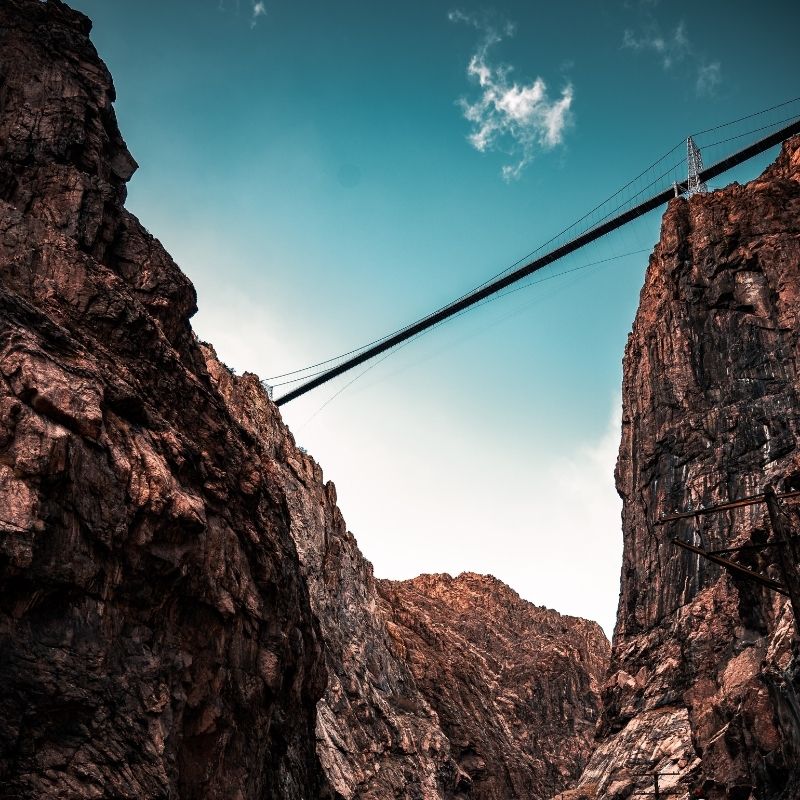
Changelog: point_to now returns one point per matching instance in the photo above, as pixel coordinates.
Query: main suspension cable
(497, 284)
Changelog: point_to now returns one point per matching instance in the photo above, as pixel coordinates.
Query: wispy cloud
(259, 10)
(517, 119)
(253, 9)
(709, 77)
(672, 49)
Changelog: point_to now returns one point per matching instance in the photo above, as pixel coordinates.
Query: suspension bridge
(658, 191)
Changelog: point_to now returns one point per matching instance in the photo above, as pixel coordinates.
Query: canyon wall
(377, 737)
(515, 685)
(183, 612)
(156, 635)
(702, 688)
(439, 688)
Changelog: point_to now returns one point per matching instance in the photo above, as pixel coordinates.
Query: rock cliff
(702, 687)
(377, 737)
(183, 612)
(438, 688)
(156, 635)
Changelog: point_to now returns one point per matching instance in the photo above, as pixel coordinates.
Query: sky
(326, 173)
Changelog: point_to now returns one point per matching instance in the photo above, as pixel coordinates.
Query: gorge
(183, 611)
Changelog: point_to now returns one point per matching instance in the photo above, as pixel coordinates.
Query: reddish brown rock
(377, 737)
(437, 687)
(702, 683)
(156, 637)
(515, 686)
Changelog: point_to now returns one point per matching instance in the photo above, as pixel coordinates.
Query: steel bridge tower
(695, 161)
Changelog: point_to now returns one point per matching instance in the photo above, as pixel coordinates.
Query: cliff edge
(156, 635)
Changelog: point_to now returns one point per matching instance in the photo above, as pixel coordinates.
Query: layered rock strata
(703, 687)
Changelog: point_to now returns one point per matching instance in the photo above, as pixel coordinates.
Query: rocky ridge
(703, 685)
(376, 735)
(183, 612)
(438, 687)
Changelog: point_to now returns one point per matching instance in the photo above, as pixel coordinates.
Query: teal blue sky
(310, 169)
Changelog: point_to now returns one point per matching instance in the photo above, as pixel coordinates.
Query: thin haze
(327, 172)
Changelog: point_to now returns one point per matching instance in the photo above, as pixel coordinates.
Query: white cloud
(514, 118)
(259, 10)
(672, 49)
(709, 77)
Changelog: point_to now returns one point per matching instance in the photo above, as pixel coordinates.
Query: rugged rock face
(156, 637)
(183, 612)
(702, 682)
(377, 736)
(515, 686)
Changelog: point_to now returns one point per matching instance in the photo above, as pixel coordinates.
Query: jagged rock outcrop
(515, 685)
(703, 681)
(377, 736)
(156, 637)
(183, 612)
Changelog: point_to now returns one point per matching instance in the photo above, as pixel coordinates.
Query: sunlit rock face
(515, 686)
(701, 682)
(156, 636)
(377, 737)
(438, 688)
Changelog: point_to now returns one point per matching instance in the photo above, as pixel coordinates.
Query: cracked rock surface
(515, 685)
(438, 688)
(156, 635)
